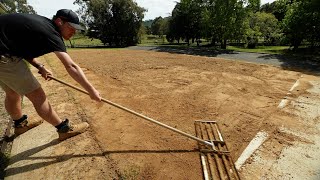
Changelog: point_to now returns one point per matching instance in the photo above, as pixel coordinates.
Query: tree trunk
(71, 44)
(224, 44)
(296, 43)
(213, 41)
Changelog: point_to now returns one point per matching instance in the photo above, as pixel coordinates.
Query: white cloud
(155, 8)
(49, 8)
(266, 1)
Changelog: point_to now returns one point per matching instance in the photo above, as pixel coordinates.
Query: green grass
(80, 40)
(261, 49)
(131, 173)
(153, 40)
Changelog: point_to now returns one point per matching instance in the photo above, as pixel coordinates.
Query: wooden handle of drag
(137, 114)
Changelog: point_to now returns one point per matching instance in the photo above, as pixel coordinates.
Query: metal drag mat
(216, 161)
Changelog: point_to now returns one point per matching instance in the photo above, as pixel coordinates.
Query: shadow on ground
(308, 65)
(49, 160)
(199, 51)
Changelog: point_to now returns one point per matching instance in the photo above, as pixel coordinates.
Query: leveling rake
(210, 141)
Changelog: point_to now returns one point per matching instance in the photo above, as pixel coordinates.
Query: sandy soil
(176, 90)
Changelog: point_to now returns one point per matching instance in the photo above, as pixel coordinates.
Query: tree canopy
(114, 22)
(290, 22)
(218, 20)
(18, 6)
(302, 22)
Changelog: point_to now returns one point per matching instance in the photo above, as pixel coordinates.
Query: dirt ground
(175, 90)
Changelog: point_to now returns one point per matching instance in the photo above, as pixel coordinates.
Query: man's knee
(11, 94)
(36, 95)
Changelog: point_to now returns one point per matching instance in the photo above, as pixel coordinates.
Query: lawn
(261, 49)
(80, 40)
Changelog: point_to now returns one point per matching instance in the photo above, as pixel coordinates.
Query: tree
(252, 32)
(225, 19)
(277, 8)
(302, 22)
(147, 26)
(175, 29)
(18, 6)
(268, 7)
(269, 28)
(165, 25)
(254, 5)
(114, 22)
(281, 7)
(141, 32)
(185, 21)
(314, 23)
(148, 30)
(262, 25)
(156, 26)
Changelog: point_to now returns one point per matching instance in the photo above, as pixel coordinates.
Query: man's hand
(95, 95)
(44, 72)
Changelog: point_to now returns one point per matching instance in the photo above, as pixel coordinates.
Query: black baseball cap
(71, 17)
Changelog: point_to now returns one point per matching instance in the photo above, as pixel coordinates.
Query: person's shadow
(26, 155)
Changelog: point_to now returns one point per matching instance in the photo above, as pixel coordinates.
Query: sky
(155, 8)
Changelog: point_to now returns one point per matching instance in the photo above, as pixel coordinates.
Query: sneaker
(26, 125)
(68, 131)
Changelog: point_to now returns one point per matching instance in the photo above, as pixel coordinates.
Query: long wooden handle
(137, 114)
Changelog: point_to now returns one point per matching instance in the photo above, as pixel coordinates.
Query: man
(27, 36)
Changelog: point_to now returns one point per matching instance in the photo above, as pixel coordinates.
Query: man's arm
(77, 74)
(42, 70)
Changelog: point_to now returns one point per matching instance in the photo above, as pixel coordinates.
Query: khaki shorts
(16, 75)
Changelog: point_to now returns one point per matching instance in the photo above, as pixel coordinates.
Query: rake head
(215, 159)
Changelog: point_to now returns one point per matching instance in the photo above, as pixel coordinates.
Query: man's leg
(43, 107)
(16, 78)
(13, 107)
(13, 103)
